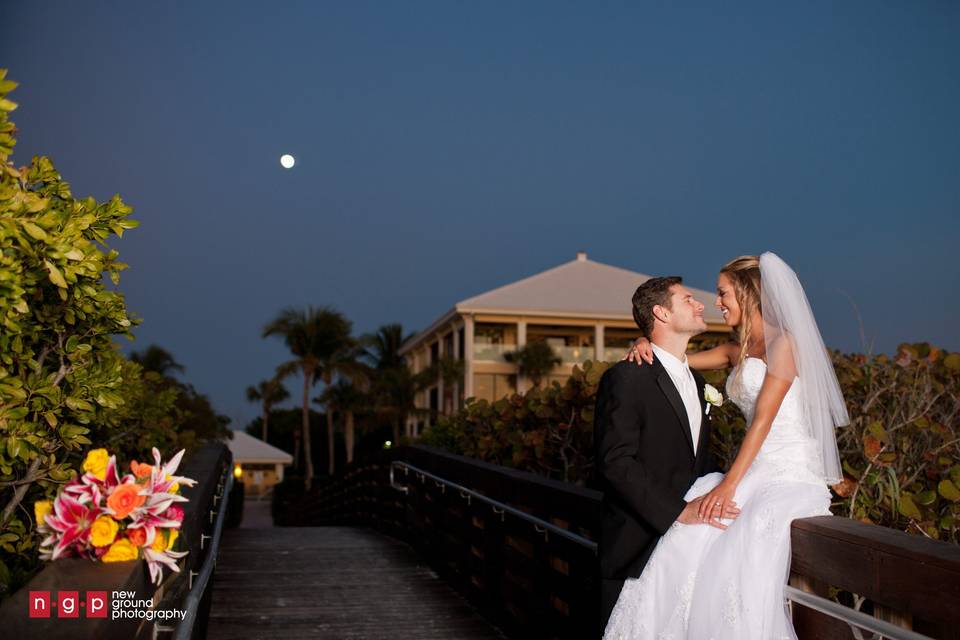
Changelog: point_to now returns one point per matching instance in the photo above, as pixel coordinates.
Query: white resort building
(581, 308)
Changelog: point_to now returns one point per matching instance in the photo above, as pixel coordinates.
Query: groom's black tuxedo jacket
(644, 461)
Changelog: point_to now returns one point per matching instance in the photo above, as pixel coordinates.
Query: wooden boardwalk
(332, 582)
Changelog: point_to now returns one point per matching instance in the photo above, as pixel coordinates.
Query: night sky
(447, 148)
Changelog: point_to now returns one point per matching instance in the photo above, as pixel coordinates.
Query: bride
(706, 583)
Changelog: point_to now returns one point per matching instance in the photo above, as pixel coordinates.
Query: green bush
(900, 452)
(59, 370)
(548, 431)
(64, 385)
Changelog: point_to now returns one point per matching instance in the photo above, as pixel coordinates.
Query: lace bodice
(745, 388)
(789, 441)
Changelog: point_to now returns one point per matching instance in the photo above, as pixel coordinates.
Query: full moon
(287, 161)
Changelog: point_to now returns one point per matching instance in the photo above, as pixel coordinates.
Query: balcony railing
(492, 352)
(613, 354)
(575, 355)
(495, 353)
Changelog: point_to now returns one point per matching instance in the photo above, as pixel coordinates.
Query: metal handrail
(541, 526)
(856, 619)
(184, 630)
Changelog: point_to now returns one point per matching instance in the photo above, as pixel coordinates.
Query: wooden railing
(534, 583)
(911, 581)
(528, 582)
(210, 466)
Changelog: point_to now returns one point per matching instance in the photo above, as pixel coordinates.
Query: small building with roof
(260, 464)
(581, 308)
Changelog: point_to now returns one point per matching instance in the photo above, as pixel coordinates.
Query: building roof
(581, 288)
(246, 448)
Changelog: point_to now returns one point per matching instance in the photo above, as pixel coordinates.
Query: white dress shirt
(680, 374)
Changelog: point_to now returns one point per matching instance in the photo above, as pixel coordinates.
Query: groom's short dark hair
(653, 292)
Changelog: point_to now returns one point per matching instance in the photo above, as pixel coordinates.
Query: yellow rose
(103, 531)
(173, 537)
(96, 463)
(159, 541)
(40, 510)
(120, 551)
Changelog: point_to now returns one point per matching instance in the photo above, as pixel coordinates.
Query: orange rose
(141, 469)
(124, 500)
(137, 536)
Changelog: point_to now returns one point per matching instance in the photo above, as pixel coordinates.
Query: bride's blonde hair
(744, 275)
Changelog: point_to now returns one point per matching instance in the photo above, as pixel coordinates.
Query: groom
(651, 437)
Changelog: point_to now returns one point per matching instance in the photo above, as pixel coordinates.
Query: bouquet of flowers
(102, 516)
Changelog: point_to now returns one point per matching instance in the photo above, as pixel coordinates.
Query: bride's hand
(718, 503)
(641, 350)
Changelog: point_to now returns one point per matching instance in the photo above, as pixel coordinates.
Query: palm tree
(394, 386)
(347, 398)
(317, 338)
(342, 362)
(448, 369)
(157, 359)
(268, 393)
(395, 392)
(534, 360)
(383, 347)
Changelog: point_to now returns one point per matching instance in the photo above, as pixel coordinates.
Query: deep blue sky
(446, 148)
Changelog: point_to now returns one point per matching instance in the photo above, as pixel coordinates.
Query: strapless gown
(705, 583)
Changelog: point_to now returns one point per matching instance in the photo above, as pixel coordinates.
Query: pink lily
(110, 480)
(157, 558)
(79, 489)
(159, 480)
(70, 525)
(150, 523)
(153, 513)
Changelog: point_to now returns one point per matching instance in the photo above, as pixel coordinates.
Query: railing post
(893, 616)
(493, 550)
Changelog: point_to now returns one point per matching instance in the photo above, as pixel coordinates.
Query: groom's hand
(690, 514)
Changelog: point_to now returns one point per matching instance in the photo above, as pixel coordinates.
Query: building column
(456, 356)
(440, 355)
(598, 340)
(411, 424)
(521, 342)
(468, 356)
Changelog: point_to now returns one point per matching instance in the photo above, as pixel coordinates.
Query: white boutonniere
(712, 396)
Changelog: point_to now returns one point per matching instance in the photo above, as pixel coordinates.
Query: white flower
(712, 396)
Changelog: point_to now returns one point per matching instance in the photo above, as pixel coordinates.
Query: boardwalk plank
(332, 582)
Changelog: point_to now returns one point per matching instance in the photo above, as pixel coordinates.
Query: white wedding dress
(706, 583)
